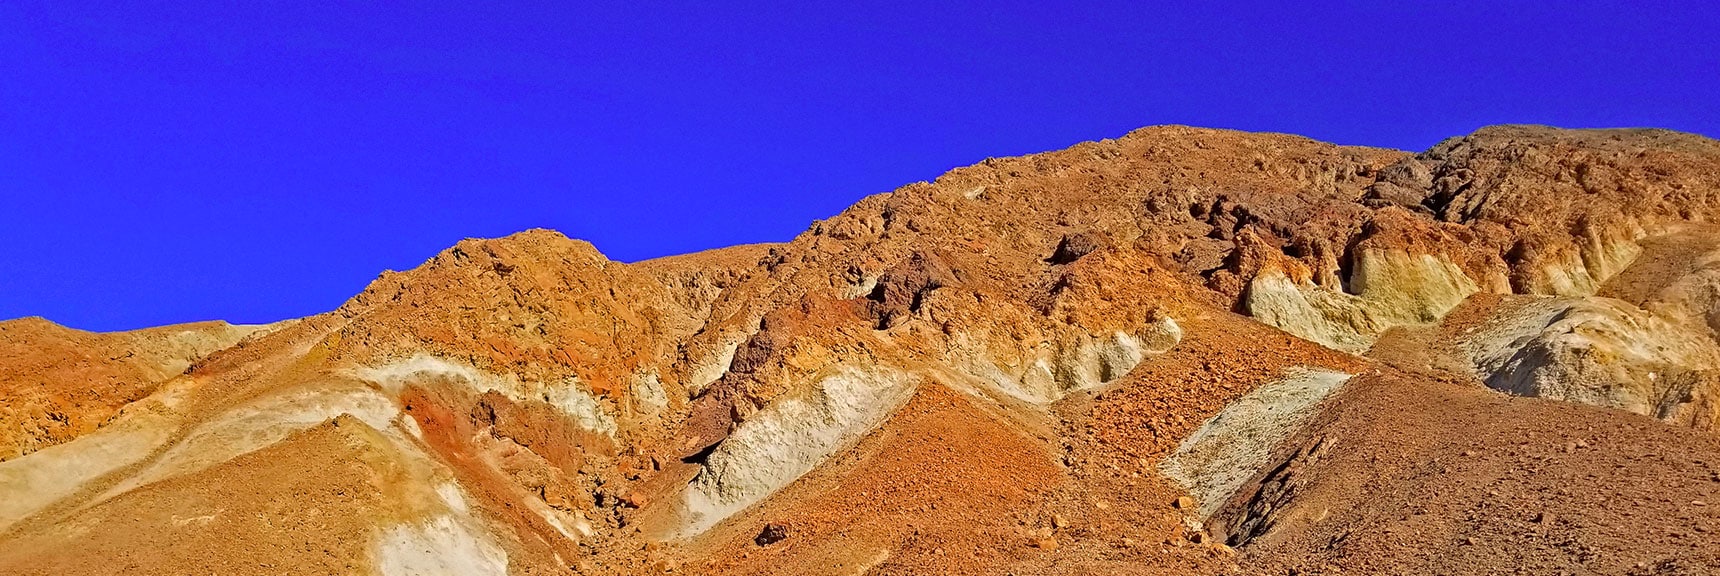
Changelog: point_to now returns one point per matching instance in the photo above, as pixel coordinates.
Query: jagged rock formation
(1114, 358)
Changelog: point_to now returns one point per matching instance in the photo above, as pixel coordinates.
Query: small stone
(1102, 505)
(1698, 503)
(1046, 544)
(1128, 542)
(1197, 537)
(1059, 522)
(1183, 503)
(1544, 518)
(771, 534)
(1073, 247)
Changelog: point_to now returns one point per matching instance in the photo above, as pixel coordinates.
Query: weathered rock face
(1644, 343)
(524, 404)
(1391, 288)
(778, 444)
(1235, 445)
(1602, 352)
(1525, 210)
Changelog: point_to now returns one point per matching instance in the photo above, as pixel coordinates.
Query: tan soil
(1461, 480)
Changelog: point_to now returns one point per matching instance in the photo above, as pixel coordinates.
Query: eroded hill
(1178, 351)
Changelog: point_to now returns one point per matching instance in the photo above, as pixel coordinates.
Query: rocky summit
(1179, 351)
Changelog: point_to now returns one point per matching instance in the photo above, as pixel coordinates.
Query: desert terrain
(1177, 351)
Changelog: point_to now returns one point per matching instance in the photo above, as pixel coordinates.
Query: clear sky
(183, 160)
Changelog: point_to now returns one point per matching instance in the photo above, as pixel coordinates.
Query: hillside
(1178, 351)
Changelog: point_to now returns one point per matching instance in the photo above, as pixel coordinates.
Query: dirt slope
(57, 384)
(1464, 481)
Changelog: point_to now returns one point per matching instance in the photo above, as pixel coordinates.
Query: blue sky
(177, 161)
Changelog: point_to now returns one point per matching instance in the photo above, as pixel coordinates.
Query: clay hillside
(1180, 351)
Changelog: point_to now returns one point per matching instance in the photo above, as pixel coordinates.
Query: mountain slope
(1178, 351)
